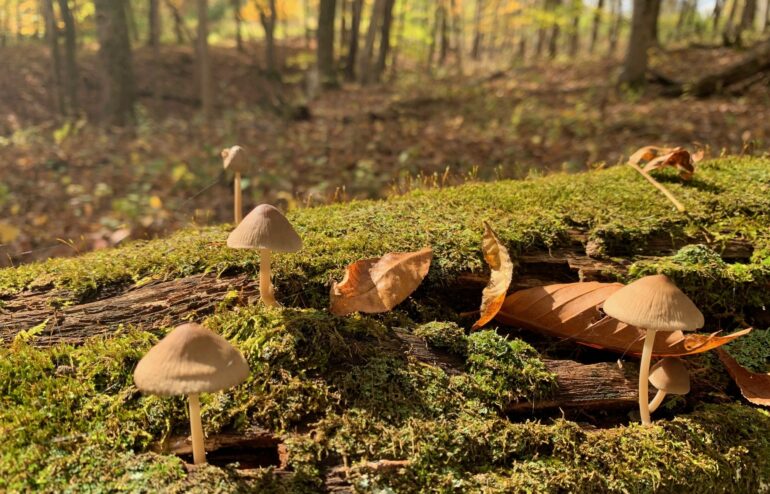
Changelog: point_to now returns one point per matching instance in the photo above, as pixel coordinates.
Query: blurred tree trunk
(385, 28)
(344, 28)
(766, 27)
(553, 39)
(617, 16)
(748, 19)
(267, 16)
(477, 34)
(153, 20)
(365, 58)
(596, 23)
(238, 20)
(116, 65)
(654, 34)
(133, 30)
(180, 30)
(399, 39)
(325, 42)
(642, 28)
(355, 29)
(70, 58)
(306, 21)
(728, 34)
(443, 35)
(574, 36)
(433, 29)
(204, 62)
(52, 37)
(457, 29)
(716, 15)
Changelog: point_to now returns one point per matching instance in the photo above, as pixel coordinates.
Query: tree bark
(654, 34)
(325, 41)
(553, 39)
(116, 63)
(153, 21)
(237, 20)
(399, 39)
(716, 15)
(180, 30)
(642, 27)
(596, 24)
(614, 33)
(204, 62)
(355, 29)
(384, 47)
(365, 58)
(268, 16)
(574, 36)
(477, 34)
(443, 35)
(52, 37)
(70, 58)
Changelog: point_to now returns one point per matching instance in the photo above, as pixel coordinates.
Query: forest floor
(72, 187)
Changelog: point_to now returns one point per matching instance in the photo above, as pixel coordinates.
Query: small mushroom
(669, 376)
(266, 229)
(652, 303)
(191, 360)
(233, 159)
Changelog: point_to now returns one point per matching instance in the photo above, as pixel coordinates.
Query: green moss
(753, 350)
(446, 336)
(530, 213)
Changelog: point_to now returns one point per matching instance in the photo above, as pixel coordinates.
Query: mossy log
(445, 410)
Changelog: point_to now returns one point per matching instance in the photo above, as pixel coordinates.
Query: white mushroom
(191, 360)
(669, 376)
(266, 229)
(652, 303)
(234, 159)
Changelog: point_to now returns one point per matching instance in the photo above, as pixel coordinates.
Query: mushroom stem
(655, 403)
(644, 373)
(238, 207)
(265, 287)
(199, 451)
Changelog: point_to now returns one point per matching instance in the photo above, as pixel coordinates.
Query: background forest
(113, 113)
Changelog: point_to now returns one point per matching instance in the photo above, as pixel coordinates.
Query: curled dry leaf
(657, 157)
(379, 284)
(754, 386)
(572, 311)
(500, 263)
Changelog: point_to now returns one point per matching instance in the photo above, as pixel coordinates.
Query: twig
(679, 206)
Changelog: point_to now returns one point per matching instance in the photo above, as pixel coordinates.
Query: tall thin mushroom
(234, 159)
(267, 229)
(191, 360)
(652, 303)
(670, 377)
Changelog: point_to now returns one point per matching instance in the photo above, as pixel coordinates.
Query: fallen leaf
(658, 157)
(572, 311)
(379, 284)
(754, 386)
(500, 263)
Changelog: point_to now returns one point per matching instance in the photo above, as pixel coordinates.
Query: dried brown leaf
(754, 386)
(657, 157)
(379, 284)
(500, 263)
(572, 311)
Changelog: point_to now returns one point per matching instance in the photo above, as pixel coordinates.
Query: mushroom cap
(670, 375)
(190, 359)
(654, 303)
(265, 228)
(233, 158)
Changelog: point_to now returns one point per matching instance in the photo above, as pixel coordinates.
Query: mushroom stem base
(644, 374)
(196, 429)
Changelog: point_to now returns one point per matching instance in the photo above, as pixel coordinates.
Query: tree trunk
(204, 62)
(617, 16)
(766, 27)
(52, 37)
(596, 24)
(153, 20)
(457, 29)
(133, 29)
(399, 39)
(553, 39)
(477, 35)
(642, 28)
(384, 49)
(355, 29)
(180, 30)
(115, 56)
(70, 59)
(365, 58)
(268, 18)
(728, 35)
(443, 36)
(716, 15)
(344, 28)
(306, 21)
(236, 4)
(325, 40)
(748, 19)
(574, 37)
(654, 34)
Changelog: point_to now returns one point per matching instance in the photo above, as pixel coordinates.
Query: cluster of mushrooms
(192, 359)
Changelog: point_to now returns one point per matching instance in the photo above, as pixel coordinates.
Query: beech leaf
(499, 261)
(658, 157)
(572, 311)
(754, 386)
(381, 283)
